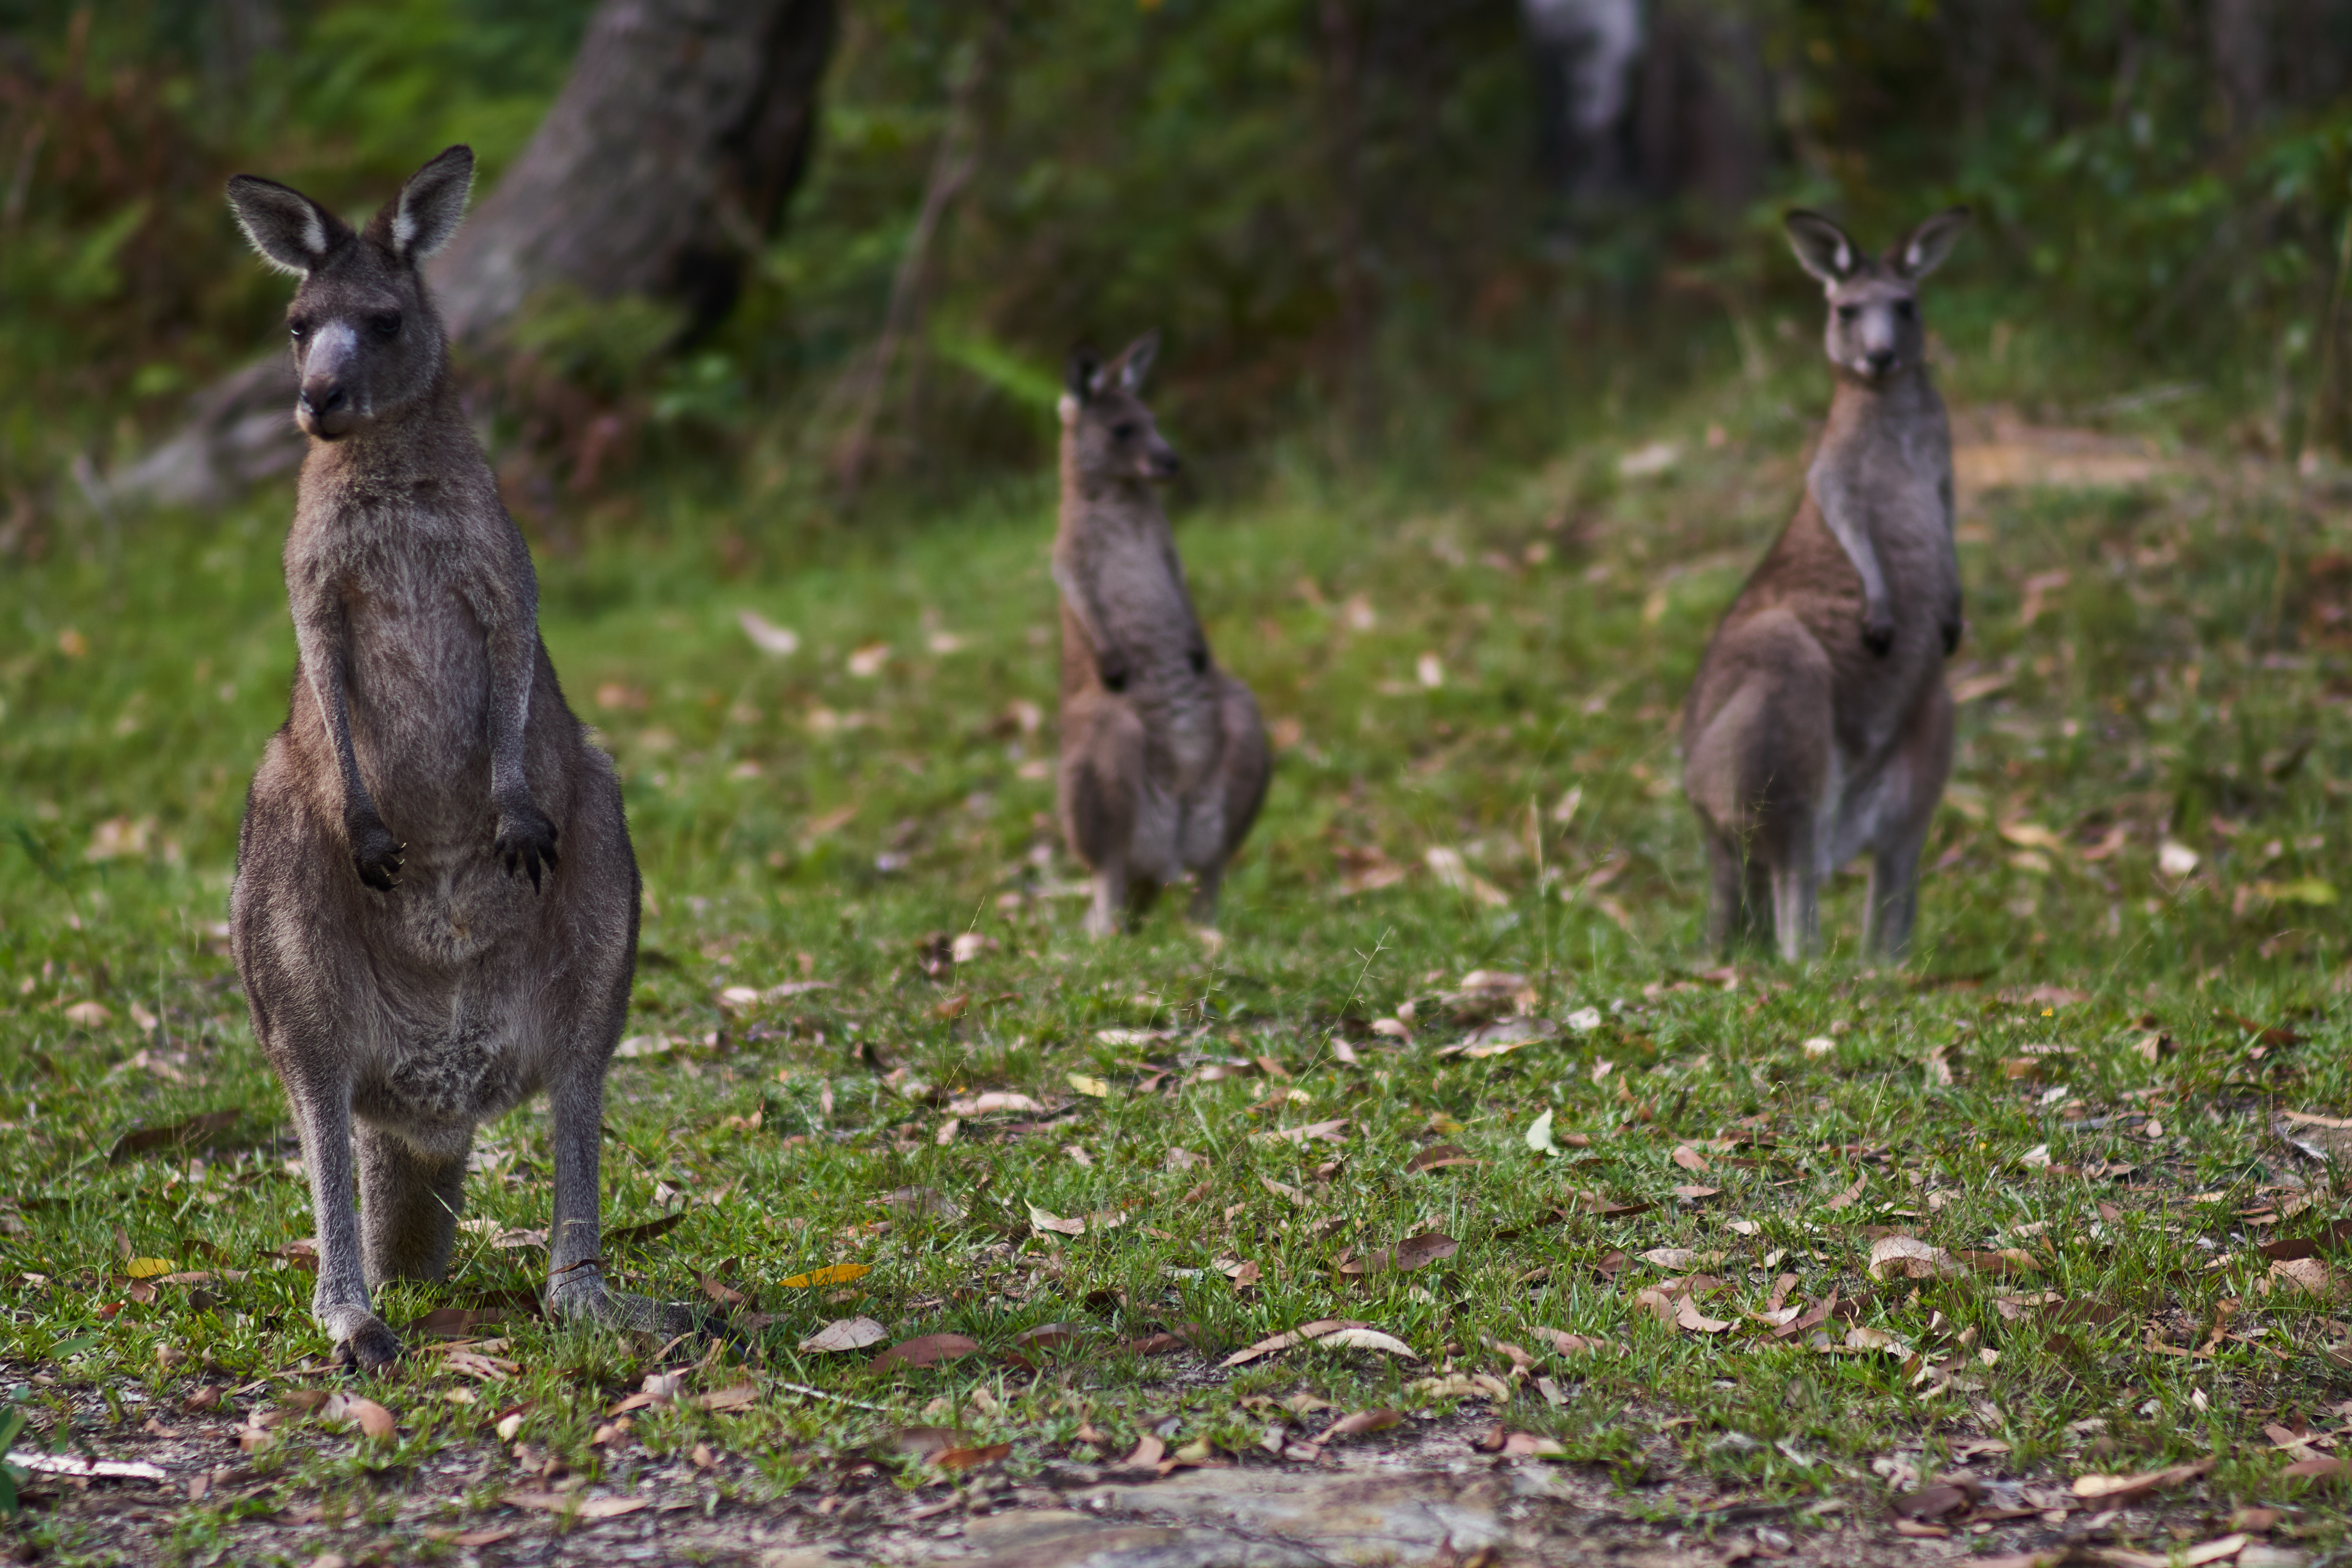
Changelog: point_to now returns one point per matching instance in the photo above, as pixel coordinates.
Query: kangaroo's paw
(377, 855)
(366, 1344)
(526, 840)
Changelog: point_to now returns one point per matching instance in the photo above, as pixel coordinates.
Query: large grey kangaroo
(1164, 761)
(436, 906)
(1819, 726)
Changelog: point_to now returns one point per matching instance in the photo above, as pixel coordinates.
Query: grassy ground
(2130, 961)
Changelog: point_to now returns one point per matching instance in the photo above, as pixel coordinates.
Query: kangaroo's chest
(416, 672)
(1138, 590)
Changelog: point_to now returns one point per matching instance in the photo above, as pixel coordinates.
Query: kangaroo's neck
(1090, 502)
(1902, 405)
(424, 441)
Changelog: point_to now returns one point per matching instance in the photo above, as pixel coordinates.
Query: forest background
(1427, 237)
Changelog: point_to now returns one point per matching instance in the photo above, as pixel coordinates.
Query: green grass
(796, 820)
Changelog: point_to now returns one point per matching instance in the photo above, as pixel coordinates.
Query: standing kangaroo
(1163, 756)
(418, 958)
(1819, 726)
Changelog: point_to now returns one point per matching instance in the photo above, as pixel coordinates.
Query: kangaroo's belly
(451, 1051)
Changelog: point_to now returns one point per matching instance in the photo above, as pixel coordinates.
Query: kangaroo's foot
(581, 1297)
(363, 1341)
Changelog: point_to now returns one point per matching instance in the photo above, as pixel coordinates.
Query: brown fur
(1164, 761)
(1819, 726)
(435, 908)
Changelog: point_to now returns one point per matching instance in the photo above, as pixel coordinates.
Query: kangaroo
(1819, 725)
(1164, 761)
(435, 914)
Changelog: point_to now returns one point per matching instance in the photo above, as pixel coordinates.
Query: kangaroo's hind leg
(1738, 899)
(409, 1198)
(1245, 767)
(1911, 788)
(1101, 780)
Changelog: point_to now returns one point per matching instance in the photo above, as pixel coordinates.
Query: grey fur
(1164, 761)
(435, 908)
(1819, 726)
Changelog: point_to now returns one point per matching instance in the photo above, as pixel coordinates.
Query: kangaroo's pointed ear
(429, 207)
(293, 232)
(1923, 250)
(1823, 247)
(1135, 364)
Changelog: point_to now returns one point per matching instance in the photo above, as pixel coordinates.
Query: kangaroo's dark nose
(1880, 361)
(1165, 464)
(324, 399)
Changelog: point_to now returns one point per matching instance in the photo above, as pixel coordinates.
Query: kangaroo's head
(1873, 333)
(1111, 431)
(367, 340)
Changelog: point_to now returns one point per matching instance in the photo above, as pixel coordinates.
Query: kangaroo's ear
(293, 232)
(1923, 250)
(1082, 372)
(1135, 362)
(428, 209)
(1823, 247)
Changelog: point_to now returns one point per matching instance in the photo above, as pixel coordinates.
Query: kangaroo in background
(1164, 761)
(1819, 725)
(435, 908)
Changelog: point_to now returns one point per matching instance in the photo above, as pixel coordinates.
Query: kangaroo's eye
(386, 325)
(1904, 309)
(298, 330)
(1847, 312)
(1125, 430)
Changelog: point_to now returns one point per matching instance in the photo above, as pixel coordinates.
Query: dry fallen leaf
(1149, 1451)
(1053, 1336)
(373, 1419)
(572, 1503)
(838, 1274)
(928, 1202)
(2122, 1489)
(1679, 1257)
(1439, 1157)
(1043, 1220)
(1908, 1257)
(846, 1334)
(927, 1350)
(994, 1100)
(1688, 1316)
(1846, 1198)
(960, 1459)
(2311, 1273)
(1302, 1334)
(740, 1396)
(1330, 1131)
(1360, 1422)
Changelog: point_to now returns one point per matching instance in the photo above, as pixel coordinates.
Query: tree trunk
(663, 165)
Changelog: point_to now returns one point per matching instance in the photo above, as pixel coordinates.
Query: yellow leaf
(148, 1268)
(1093, 1086)
(838, 1274)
